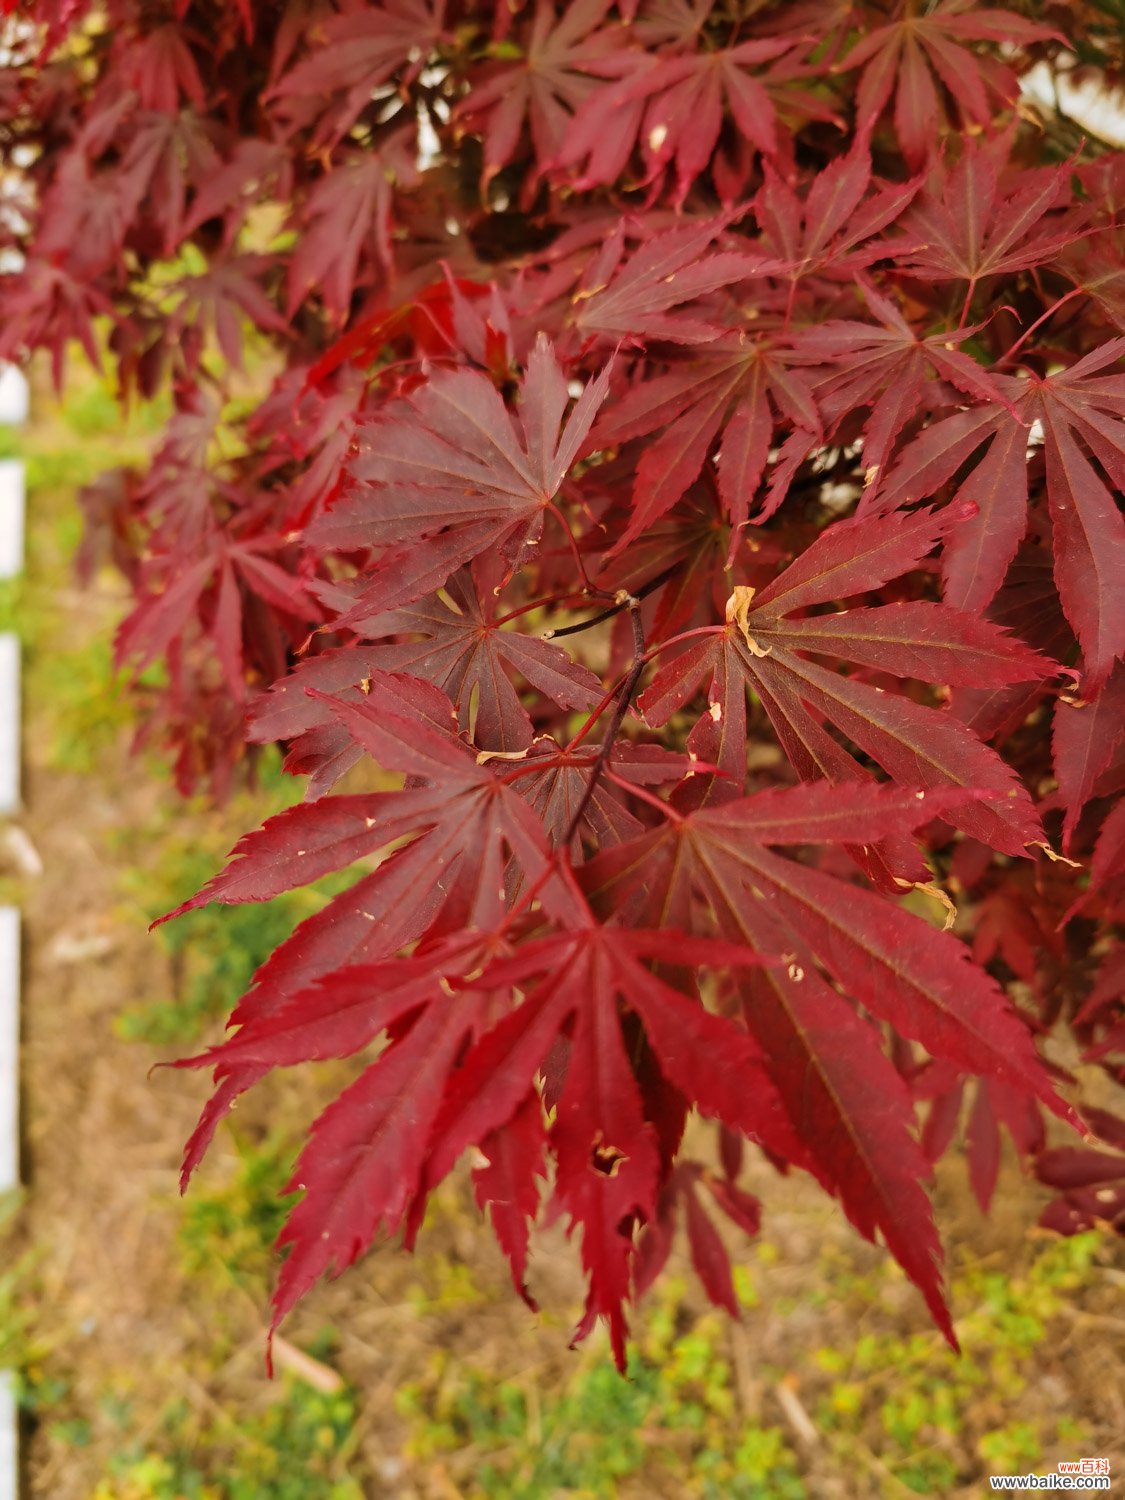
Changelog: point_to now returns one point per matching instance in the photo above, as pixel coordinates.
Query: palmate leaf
(966, 226)
(888, 368)
(766, 647)
(345, 226)
(724, 389)
(358, 52)
(641, 301)
(164, 157)
(830, 232)
(541, 90)
(463, 826)
(1079, 411)
(605, 1148)
(446, 475)
(236, 571)
(684, 99)
(684, 1189)
(162, 70)
(221, 301)
(460, 646)
(846, 1102)
(399, 1128)
(916, 55)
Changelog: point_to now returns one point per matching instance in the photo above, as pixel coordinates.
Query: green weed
(903, 1410)
(214, 950)
(297, 1448)
(676, 1412)
(231, 1228)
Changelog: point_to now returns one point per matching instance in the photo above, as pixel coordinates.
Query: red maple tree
(690, 473)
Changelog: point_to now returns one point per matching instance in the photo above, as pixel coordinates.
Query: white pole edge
(13, 505)
(14, 406)
(9, 1047)
(9, 1161)
(9, 1437)
(9, 725)
(14, 396)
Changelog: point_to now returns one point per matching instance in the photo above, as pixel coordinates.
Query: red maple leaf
(766, 646)
(458, 644)
(1078, 411)
(674, 106)
(829, 231)
(853, 1121)
(606, 1151)
(924, 57)
(346, 225)
(890, 369)
(357, 53)
(553, 58)
(968, 226)
(683, 1191)
(214, 590)
(729, 391)
(445, 476)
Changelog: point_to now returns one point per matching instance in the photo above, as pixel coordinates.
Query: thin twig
(1006, 358)
(621, 600)
(313, 1371)
(547, 602)
(606, 614)
(621, 708)
(795, 1414)
(587, 586)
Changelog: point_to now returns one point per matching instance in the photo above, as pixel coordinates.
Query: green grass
(676, 1413)
(78, 705)
(214, 950)
(900, 1408)
(227, 1231)
(297, 1448)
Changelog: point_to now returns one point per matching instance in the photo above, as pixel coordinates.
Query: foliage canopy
(679, 490)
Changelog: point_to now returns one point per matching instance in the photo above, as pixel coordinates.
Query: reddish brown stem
(1023, 338)
(621, 708)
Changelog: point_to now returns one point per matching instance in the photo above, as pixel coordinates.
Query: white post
(13, 412)
(9, 1438)
(9, 1047)
(13, 396)
(9, 725)
(12, 506)
(9, 1160)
